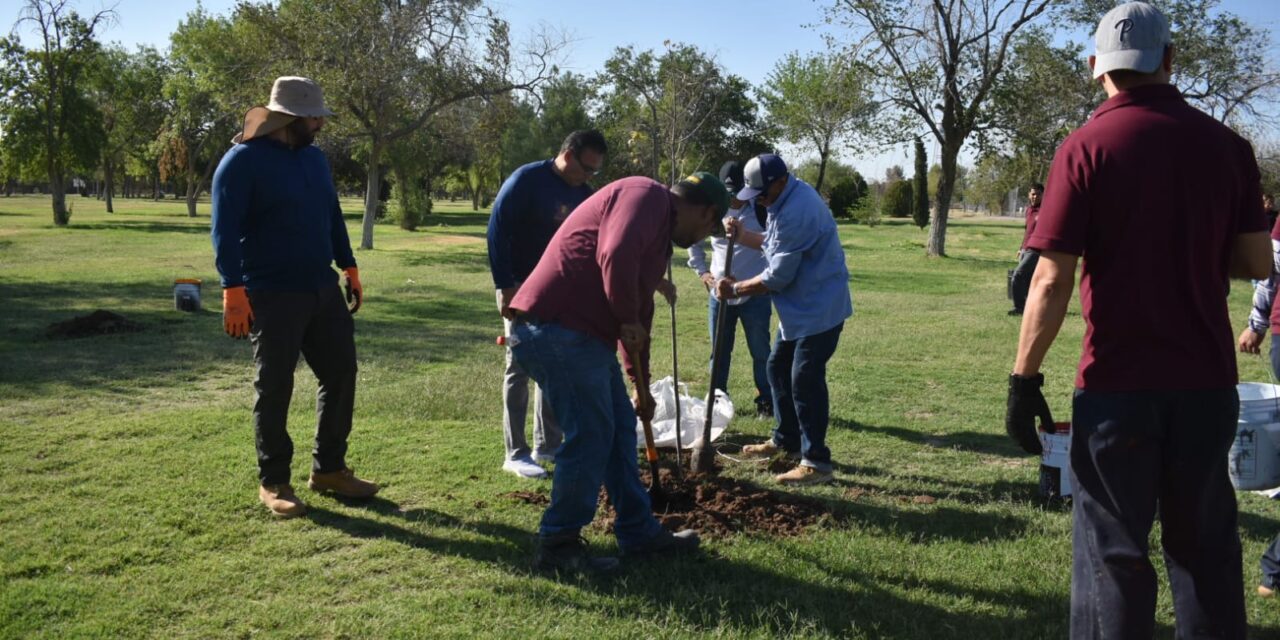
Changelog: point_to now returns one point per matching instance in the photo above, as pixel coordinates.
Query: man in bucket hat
(1163, 203)
(277, 232)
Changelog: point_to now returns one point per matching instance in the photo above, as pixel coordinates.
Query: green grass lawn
(128, 503)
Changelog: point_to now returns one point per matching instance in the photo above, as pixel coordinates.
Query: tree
(847, 193)
(676, 112)
(939, 61)
(836, 172)
(1221, 63)
(920, 210)
(391, 67)
(819, 100)
(1045, 93)
(897, 200)
(218, 69)
(47, 116)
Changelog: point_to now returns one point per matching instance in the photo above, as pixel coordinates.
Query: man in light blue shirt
(809, 281)
(754, 312)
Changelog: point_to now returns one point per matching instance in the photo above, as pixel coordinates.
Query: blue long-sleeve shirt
(277, 225)
(807, 272)
(530, 207)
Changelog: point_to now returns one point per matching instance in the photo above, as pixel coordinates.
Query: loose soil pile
(718, 506)
(95, 324)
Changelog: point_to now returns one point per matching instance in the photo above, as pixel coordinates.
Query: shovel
(703, 459)
(656, 494)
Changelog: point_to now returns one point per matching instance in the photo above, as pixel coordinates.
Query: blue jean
(580, 376)
(1270, 562)
(754, 314)
(801, 406)
(1134, 455)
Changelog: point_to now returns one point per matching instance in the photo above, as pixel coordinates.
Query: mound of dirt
(528, 497)
(95, 324)
(718, 506)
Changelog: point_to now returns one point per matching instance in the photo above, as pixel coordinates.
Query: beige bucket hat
(292, 97)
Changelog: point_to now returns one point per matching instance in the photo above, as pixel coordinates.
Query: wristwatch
(736, 294)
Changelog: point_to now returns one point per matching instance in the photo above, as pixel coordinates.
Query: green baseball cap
(711, 188)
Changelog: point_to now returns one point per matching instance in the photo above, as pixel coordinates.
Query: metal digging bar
(675, 376)
(704, 455)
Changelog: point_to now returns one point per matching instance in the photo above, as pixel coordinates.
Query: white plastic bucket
(186, 294)
(1055, 462)
(1254, 460)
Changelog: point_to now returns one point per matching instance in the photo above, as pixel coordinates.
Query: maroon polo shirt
(605, 262)
(1275, 311)
(1152, 193)
(1030, 214)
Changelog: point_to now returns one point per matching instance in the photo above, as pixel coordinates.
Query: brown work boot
(768, 449)
(281, 500)
(803, 476)
(343, 483)
(1266, 591)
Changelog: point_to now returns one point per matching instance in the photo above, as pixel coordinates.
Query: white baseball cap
(1133, 36)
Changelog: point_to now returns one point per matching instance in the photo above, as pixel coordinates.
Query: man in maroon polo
(1163, 203)
(1027, 258)
(591, 292)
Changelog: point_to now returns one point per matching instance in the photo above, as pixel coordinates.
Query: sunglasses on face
(589, 170)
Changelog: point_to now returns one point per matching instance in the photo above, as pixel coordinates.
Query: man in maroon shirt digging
(1163, 203)
(592, 292)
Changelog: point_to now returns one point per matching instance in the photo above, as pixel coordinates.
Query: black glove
(1026, 403)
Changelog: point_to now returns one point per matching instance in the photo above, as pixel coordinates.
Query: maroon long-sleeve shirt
(605, 263)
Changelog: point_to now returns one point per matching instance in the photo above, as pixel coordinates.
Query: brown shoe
(1266, 592)
(281, 500)
(803, 476)
(767, 449)
(343, 483)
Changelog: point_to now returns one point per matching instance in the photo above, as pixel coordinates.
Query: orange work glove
(355, 291)
(237, 315)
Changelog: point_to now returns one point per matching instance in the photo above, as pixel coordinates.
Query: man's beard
(300, 134)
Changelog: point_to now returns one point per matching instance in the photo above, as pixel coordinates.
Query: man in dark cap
(754, 312)
(592, 291)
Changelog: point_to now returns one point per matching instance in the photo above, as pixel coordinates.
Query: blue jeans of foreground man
(1131, 454)
(801, 407)
(580, 376)
(754, 315)
(1270, 563)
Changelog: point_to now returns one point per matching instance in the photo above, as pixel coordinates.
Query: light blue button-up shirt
(806, 273)
(747, 262)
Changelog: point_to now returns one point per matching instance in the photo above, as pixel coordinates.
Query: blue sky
(746, 36)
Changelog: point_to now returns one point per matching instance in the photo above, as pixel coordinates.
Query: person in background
(753, 312)
(531, 205)
(1027, 258)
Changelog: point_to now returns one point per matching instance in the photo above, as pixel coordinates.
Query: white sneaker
(543, 457)
(525, 468)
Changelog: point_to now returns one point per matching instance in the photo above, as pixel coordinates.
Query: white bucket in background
(1254, 460)
(186, 294)
(1055, 462)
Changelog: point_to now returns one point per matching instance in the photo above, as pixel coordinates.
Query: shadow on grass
(176, 349)
(985, 443)
(198, 225)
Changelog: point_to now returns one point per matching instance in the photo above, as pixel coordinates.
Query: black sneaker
(567, 552)
(666, 542)
(1015, 312)
(764, 407)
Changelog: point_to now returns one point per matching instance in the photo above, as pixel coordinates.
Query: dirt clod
(95, 324)
(719, 506)
(528, 497)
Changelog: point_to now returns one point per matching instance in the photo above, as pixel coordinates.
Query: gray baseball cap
(1131, 36)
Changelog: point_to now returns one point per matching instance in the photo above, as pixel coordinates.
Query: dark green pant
(318, 326)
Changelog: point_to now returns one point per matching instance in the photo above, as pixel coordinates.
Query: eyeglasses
(591, 171)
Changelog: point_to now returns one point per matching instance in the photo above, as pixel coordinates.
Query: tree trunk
(371, 193)
(110, 178)
(822, 168)
(946, 185)
(58, 189)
